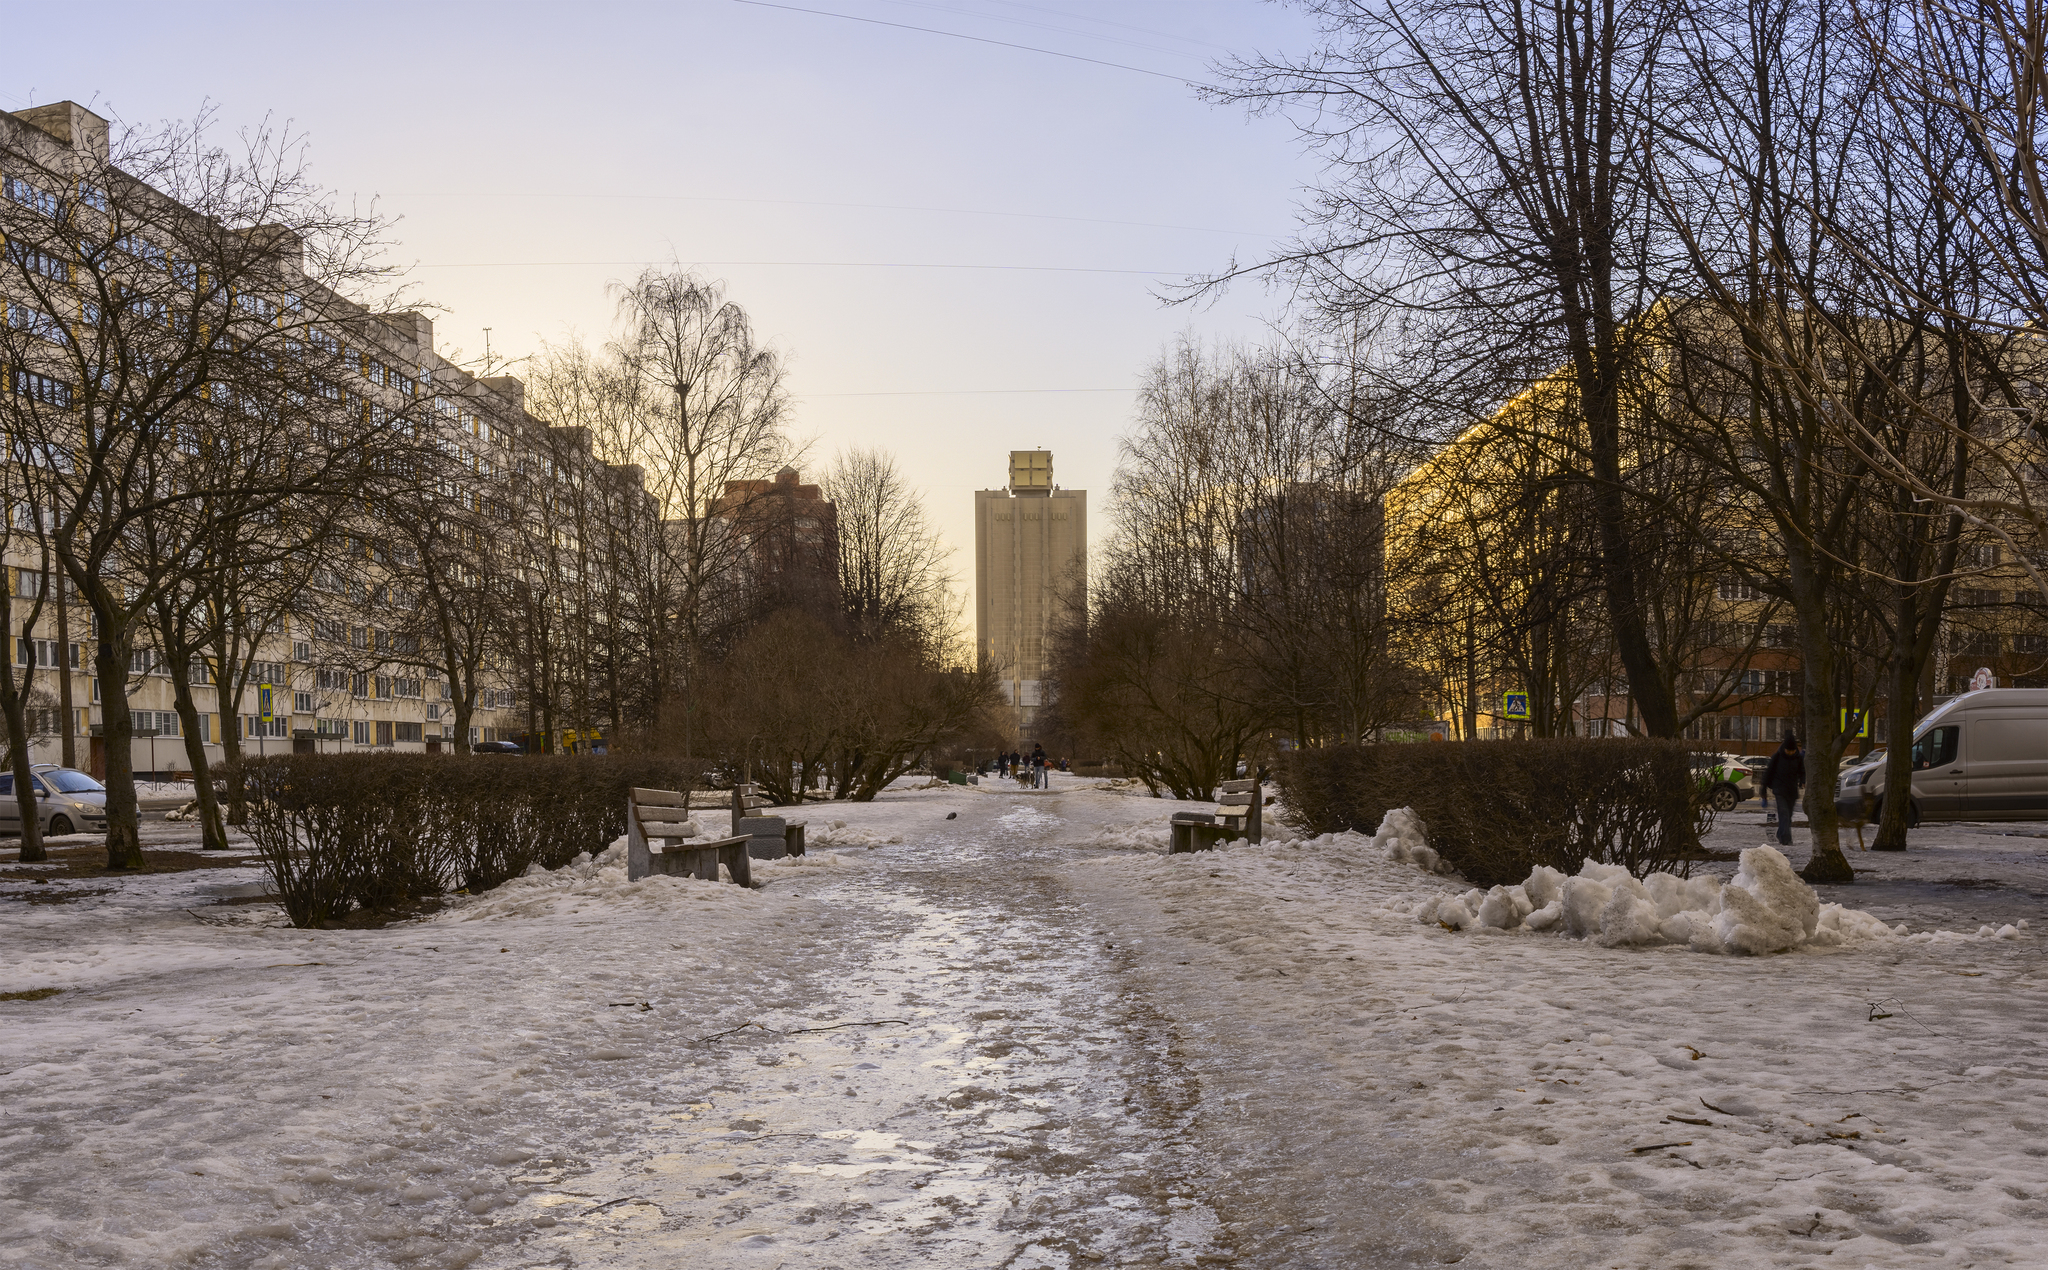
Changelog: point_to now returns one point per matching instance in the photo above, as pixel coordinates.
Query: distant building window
(31, 196)
(410, 732)
(51, 392)
(1735, 588)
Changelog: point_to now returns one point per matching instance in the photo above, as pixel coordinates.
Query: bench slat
(1235, 800)
(657, 797)
(668, 829)
(1236, 787)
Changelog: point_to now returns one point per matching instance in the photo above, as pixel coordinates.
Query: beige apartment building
(343, 670)
(1030, 567)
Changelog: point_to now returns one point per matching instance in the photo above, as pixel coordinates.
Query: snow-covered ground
(1021, 1036)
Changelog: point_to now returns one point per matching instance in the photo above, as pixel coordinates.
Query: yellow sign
(1856, 723)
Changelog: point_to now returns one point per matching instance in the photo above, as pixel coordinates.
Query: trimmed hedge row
(341, 833)
(1496, 809)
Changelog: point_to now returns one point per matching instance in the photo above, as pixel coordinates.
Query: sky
(959, 245)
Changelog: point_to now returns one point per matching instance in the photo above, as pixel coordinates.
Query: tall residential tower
(1030, 565)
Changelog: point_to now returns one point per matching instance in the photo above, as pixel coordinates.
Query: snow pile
(1145, 835)
(591, 883)
(1405, 839)
(1766, 908)
(839, 834)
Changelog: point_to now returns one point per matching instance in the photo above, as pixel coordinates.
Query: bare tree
(892, 563)
(1481, 183)
(708, 408)
(181, 360)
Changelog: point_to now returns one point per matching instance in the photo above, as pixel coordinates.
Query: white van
(1981, 756)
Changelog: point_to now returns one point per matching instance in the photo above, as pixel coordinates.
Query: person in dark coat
(1784, 776)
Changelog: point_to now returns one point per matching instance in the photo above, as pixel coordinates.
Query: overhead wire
(978, 39)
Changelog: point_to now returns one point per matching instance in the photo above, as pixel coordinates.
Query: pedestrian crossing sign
(1514, 705)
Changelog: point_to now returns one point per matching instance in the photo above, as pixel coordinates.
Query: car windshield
(71, 782)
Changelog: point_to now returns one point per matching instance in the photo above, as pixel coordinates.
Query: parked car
(497, 747)
(1725, 778)
(67, 801)
(1981, 756)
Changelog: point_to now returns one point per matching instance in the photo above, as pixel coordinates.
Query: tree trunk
(110, 664)
(226, 672)
(1827, 864)
(1898, 757)
(14, 703)
(213, 833)
(64, 667)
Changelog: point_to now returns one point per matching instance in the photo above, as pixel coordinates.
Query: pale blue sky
(531, 152)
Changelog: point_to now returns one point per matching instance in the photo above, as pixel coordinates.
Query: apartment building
(494, 542)
(1030, 560)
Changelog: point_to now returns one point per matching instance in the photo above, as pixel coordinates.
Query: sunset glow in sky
(958, 243)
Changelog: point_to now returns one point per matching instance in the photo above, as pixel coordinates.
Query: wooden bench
(768, 837)
(657, 824)
(1201, 831)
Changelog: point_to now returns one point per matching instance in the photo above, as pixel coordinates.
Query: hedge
(342, 833)
(1494, 810)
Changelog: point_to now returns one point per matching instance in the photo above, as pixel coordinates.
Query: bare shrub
(373, 832)
(1497, 809)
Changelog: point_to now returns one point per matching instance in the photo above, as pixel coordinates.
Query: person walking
(1784, 776)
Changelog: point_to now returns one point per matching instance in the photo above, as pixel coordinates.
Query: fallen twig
(614, 1203)
(1691, 1120)
(642, 1004)
(1711, 1107)
(854, 1023)
(798, 1031)
(1657, 1147)
(729, 1031)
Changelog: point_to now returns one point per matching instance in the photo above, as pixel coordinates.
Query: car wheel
(60, 825)
(1724, 797)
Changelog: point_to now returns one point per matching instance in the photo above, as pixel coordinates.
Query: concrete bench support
(661, 839)
(1239, 815)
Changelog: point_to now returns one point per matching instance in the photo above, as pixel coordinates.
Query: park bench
(768, 837)
(1239, 814)
(657, 825)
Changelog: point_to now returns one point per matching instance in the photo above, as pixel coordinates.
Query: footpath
(976, 1029)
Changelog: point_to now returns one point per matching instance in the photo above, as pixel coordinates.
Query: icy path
(1060, 1049)
(1018, 1111)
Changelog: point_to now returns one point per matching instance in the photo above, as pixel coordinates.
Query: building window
(31, 196)
(384, 732)
(1736, 588)
(410, 731)
(51, 392)
(359, 685)
(302, 703)
(156, 723)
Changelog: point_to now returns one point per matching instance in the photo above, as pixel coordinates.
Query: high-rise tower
(1030, 567)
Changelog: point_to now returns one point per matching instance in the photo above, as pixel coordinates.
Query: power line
(978, 39)
(793, 264)
(801, 202)
(957, 392)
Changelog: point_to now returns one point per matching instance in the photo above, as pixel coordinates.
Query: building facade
(479, 532)
(1030, 569)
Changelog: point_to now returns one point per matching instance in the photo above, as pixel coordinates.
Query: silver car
(1980, 756)
(67, 800)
